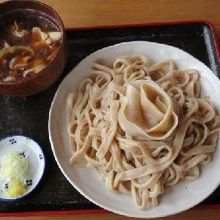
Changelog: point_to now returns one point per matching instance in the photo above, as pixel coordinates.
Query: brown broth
(43, 49)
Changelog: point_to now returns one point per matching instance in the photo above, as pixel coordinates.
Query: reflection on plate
(179, 198)
(28, 150)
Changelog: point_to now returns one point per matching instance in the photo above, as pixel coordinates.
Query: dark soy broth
(29, 40)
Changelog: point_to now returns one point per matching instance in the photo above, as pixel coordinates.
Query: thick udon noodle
(143, 126)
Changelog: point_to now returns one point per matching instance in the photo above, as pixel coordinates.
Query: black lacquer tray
(29, 115)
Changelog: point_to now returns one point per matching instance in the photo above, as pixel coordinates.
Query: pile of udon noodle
(143, 126)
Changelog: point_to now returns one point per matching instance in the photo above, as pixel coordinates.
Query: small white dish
(29, 149)
(87, 181)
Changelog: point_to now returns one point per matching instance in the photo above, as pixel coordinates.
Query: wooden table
(90, 13)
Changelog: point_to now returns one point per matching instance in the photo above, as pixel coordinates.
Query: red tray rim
(100, 210)
(80, 212)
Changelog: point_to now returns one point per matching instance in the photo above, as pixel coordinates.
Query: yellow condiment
(14, 170)
(16, 188)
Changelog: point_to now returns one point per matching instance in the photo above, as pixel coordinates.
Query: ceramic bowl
(45, 78)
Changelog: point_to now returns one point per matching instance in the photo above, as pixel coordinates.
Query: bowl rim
(63, 40)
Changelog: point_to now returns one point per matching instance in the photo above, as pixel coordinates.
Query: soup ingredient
(27, 51)
(143, 126)
(17, 31)
(14, 170)
(55, 36)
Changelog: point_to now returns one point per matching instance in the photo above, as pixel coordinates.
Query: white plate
(86, 181)
(30, 150)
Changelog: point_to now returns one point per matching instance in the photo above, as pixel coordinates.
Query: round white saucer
(29, 149)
